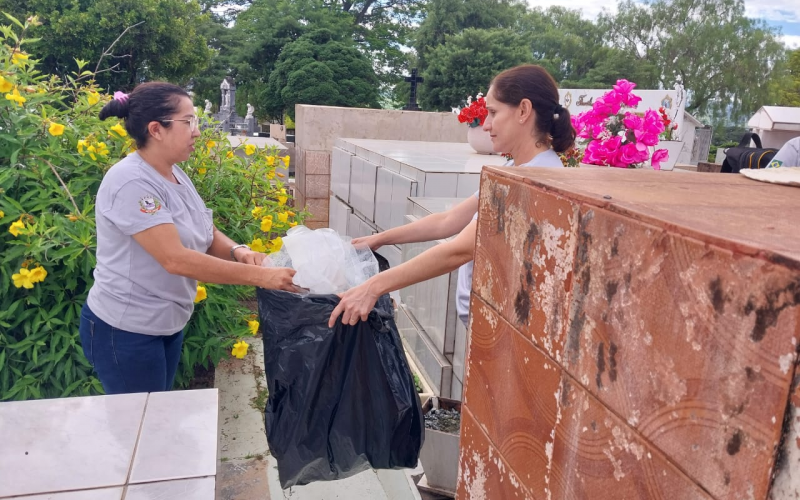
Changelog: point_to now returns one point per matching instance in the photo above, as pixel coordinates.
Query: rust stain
(773, 303)
(734, 443)
(601, 365)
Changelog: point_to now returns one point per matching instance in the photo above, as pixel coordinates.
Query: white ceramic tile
(353, 226)
(340, 173)
(391, 164)
(179, 436)
(441, 185)
(369, 180)
(339, 215)
(408, 171)
(460, 350)
(392, 254)
(402, 188)
(67, 444)
(201, 488)
(456, 389)
(438, 372)
(468, 185)
(98, 494)
(356, 195)
(383, 199)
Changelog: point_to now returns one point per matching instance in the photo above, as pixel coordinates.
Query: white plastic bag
(325, 261)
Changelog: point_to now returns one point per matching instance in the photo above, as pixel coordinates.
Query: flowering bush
(475, 112)
(616, 138)
(572, 157)
(54, 152)
(670, 127)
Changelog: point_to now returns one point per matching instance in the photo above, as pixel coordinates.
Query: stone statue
(225, 102)
(250, 110)
(207, 110)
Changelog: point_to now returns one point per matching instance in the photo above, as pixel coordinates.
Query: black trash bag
(341, 400)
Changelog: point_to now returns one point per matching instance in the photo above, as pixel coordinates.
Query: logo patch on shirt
(775, 164)
(149, 205)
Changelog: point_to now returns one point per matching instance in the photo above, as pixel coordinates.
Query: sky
(783, 14)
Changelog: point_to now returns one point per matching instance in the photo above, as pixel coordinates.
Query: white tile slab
(468, 185)
(67, 444)
(427, 156)
(179, 436)
(340, 173)
(402, 188)
(441, 185)
(98, 494)
(369, 180)
(383, 199)
(184, 489)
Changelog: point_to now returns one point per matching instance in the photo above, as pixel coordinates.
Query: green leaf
(13, 19)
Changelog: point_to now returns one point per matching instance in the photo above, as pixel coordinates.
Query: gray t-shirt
(132, 291)
(547, 158)
(788, 156)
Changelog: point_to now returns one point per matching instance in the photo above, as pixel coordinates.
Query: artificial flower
(240, 349)
(659, 156)
(55, 129)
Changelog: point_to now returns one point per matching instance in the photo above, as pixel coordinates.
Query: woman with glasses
(155, 240)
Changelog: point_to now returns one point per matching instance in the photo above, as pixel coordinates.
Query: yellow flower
(253, 326)
(249, 149)
(38, 274)
(201, 294)
(102, 149)
(56, 129)
(270, 161)
(72, 218)
(270, 174)
(286, 160)
(292, 224)
(22, 279)
(240, 349)
(281, 175)
(229, 155)
(2, 214)
(17, 228)
(18, 57)
(283, 197)
(276, 244)
(14, 96)
(283, 217)
(266, 224)
(202, 170)
(210, 144)
(81, 145)
(5, 85)
(93, 99)
(257, 211)
(257, 245)
(291, 214)
(119, 130)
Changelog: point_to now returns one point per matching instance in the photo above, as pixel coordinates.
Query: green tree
(789, 89)
(725, 60)
(466, 63)
(444, 18)
(320, 68)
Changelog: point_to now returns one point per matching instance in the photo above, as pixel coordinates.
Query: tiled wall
(619, 349)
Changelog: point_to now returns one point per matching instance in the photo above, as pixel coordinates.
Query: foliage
(789, 89)
(319, 68)
(724, 59)
(167, 45)
(55, 151)
(468, 61)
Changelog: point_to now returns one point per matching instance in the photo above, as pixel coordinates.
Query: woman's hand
(355, 304)
(372, 242)
(277, 278)
(247, 256)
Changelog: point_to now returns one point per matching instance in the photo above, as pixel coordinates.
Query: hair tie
(120, 96)
(557, 111)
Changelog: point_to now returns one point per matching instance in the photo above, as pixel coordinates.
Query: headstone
(702, 145)
(414, 80)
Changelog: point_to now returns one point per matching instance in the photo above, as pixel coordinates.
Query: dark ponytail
(149, 102)
(529, 81)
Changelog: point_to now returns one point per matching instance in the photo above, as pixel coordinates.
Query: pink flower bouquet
(620, 138)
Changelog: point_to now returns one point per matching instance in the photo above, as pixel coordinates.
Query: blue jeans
(128, 362)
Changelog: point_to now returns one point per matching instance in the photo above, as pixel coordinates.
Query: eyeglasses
(193, 122)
